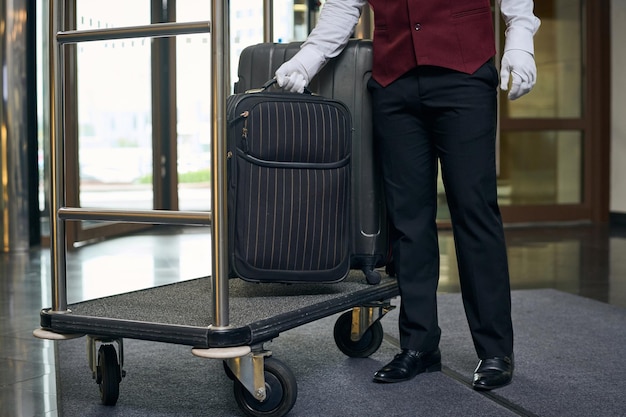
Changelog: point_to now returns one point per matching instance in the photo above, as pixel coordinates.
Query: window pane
(246, 28)
(114, 108)
(540, 168)
(193, 91)
(558, 55)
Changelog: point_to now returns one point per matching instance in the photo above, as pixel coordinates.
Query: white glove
(292, 76)
(520, 66)
(295, 74)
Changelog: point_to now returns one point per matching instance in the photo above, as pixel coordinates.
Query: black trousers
(434, 114)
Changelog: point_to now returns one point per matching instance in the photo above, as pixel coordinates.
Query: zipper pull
(244, 132)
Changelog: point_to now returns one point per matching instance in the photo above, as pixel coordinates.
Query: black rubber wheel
(363, 348)
(108, 375)
(281, 392)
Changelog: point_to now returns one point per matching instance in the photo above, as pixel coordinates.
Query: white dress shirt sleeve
(331, 33)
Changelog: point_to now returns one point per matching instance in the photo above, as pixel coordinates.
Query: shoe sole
(489, 388)
(432, 368)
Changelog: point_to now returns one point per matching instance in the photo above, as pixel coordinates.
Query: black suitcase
(343, 78)
(288, 187)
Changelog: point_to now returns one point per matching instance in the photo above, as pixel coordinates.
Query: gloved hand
(518, 66)
(292, 76)
(296, 73)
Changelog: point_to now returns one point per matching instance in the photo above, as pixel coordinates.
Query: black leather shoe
(493, 373)
(407, 364)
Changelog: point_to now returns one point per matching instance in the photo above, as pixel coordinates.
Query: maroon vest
(455, 34)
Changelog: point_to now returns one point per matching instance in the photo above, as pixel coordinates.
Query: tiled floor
(583, 260)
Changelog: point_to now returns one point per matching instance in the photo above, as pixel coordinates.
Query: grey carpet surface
(568, 363)
(165, 380)
(568, 352)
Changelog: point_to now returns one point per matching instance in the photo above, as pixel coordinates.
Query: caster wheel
(281, 392)
(363, 348)
(108, 375)
(373, 277)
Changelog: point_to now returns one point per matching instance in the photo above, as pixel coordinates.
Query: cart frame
(241, 346)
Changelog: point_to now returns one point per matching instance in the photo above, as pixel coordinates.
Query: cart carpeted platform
(189, 303)
(182, 313)
(568, 356)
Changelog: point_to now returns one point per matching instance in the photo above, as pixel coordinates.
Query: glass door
(548, 138)
(114, 109)
(138, 110)
(109, 142)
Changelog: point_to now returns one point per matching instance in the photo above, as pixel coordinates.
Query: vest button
(418, 26)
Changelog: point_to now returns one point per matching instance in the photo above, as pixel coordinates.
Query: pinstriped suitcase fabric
(343, 78)
(289, 187)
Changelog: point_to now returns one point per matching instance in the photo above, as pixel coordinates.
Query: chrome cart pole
(268, 20)
(220, 79)
(57, 166)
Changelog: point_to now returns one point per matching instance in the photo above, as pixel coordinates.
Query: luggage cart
(224, 319)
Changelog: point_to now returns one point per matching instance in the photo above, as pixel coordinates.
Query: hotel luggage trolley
(263, 385)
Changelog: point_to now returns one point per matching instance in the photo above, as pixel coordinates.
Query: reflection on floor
(586, 260)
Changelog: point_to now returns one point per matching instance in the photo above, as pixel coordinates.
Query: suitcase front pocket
(292, 221)
(307, 131)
